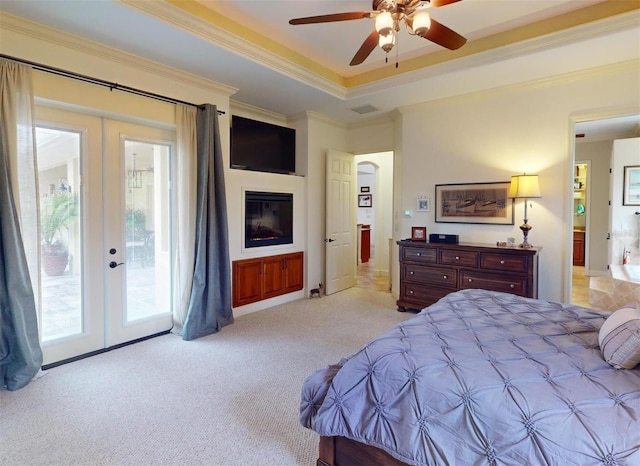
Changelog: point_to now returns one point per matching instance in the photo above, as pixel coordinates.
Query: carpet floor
(227, 399)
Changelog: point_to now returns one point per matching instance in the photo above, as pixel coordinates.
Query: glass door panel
(146, 220)
(58, 155)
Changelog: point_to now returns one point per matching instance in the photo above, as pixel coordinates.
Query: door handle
(329, 240)
(114, 264)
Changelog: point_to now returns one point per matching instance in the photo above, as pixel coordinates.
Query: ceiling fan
(389, 14)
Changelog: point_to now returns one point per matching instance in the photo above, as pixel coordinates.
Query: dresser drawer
(458, 258)
(417, 296)
(495, 282)
(428, 256)
(442, 276)
(504, 262)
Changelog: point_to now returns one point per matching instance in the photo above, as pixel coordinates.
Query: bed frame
(341, 451)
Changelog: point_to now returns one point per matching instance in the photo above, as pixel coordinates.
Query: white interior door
(113, 283)
(340, 238)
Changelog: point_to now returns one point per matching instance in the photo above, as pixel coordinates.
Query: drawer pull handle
(501, 262)
(512, 286)
(410, 291)
(418, 254)
(445, 277)
(470, 280)
(411, 273)
(457, 258)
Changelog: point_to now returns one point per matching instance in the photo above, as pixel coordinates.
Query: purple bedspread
(484, 378)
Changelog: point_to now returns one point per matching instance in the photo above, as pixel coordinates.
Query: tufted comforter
(483, 378)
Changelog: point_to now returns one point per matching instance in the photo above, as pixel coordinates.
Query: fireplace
(268, 219)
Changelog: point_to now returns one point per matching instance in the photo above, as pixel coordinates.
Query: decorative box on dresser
(429, 271)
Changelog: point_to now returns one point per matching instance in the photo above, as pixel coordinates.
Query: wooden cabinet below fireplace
(266, 277)
(430, 271)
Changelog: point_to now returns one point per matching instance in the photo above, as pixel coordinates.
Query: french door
(105, 218)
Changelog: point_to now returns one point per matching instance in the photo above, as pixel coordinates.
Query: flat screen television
(260, 146)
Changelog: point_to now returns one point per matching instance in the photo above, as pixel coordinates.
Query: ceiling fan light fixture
(421, 22)
(387, 42)
(384, 23)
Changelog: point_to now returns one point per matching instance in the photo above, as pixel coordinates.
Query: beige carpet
(227, 399)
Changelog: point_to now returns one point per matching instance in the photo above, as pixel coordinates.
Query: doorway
(374, 220)
(105, 205)
(593, 145)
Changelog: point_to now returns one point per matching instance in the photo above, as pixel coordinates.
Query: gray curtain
(210, 303)
(20, 352)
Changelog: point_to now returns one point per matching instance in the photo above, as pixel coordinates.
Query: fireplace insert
(268, 219)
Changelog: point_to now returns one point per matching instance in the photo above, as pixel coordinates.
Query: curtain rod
(112, 86)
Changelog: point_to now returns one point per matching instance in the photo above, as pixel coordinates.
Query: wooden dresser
(429, 271)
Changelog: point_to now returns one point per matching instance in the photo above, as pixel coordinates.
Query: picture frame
(486, 203)
(419, 234)
(631, 185)
(365, 200)
(365, 189)
(423, 204)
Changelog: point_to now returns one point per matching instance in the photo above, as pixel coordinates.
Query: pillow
(619, 338)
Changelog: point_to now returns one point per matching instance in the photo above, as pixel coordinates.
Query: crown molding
(53, 36)
(630, 66)
(488, 56)
(250, 111)
(207, 30)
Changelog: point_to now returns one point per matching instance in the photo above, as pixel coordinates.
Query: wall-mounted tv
(260, 146)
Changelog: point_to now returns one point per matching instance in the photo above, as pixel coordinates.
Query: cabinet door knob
(418, 254)
(512, 286)
(470, 280)
(410, 291)
(457, 258)
(502, 262)
(445, 277)
(411, 273)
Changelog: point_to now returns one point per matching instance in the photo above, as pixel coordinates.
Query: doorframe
(575, 118)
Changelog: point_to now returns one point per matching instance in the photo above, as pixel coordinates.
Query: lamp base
(525, 231)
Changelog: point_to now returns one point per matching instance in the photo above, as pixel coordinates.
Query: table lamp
(524, 187)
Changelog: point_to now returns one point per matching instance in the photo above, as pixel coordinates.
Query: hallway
(368, 279)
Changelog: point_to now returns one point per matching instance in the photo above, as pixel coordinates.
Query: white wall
(624, 222)
(489, 136)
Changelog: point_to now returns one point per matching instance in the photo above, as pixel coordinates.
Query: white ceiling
(160, 31)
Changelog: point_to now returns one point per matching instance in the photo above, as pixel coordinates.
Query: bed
(479, 378)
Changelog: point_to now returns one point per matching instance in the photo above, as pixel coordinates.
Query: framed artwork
(474, 203)
(418, 233)
(631, 189)
(365, 200)
(365, 189)
(423, 204)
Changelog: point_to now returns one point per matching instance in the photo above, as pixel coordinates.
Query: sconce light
(524, 187)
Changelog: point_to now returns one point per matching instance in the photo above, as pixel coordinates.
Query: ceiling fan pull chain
(397, 57)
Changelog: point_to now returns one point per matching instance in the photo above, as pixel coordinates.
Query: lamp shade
(387, 42)
(384, 23)
(421, 23)
(524, 187)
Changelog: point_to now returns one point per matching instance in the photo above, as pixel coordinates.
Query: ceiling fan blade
(442, 35)
(331, 18)
(365, 49)
(437, 3)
